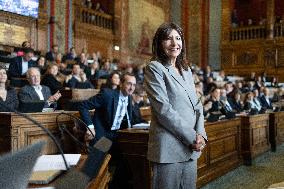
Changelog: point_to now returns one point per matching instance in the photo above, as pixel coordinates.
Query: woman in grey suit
(176, 135)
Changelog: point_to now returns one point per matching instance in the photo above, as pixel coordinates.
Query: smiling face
(172, 46)
(3, 76)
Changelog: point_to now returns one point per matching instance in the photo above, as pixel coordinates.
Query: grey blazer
(174, 105)
(28, 94)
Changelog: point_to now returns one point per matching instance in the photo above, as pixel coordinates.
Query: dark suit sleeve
(24, 95)
(13, 70)
(94, 102)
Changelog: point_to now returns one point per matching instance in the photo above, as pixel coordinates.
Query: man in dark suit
(265, 100)
(20, 65)
(112, 112)
(36, 92)
(113, 109)
(51, 55)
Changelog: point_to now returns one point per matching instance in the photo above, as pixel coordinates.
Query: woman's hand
(200, 143)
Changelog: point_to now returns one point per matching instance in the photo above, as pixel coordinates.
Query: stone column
(270, 18)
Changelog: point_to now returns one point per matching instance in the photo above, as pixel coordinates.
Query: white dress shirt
(38, 89)
(25, 66)
(120, 112)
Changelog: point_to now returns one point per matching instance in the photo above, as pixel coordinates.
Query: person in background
(8, 95)
(265, 99)
(249, 105)
(41, 64)
(71, 55)
(20, 64)
(137, 102)
(236, 102)
(176, 135)
(104, 71)
(35, 91)
(25, 44)
(113, 81)
(94, 70)
(113, 112)
(51, 55)
(73, 78)
(51, 80)
(139, 73)
(256, 99)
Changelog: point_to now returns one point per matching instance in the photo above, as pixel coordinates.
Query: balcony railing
(96, 18)
(278, 30)
(248, 33)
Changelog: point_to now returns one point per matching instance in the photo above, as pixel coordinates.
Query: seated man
(78, 79)
(36, 92)
(265, 99)
(113, 109)
(137, 102)
(20, 65)
(112, 112)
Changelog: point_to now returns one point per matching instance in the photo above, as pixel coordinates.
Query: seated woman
(249, 105)
(236, 102)
(8, 96)
(113, 81)
(41, 64)
(50, 79)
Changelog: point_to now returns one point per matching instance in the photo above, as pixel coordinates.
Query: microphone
(80, 179)
(42, 127)
(16, 168)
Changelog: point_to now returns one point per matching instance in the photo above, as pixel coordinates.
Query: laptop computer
(16, 168)
(33, 106)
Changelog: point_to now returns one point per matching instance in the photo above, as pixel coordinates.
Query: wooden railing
(248, 33)
(96, 18)
(279, 30)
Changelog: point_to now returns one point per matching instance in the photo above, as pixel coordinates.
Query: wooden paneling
(276, 129)
(18, 132)
(255, 136)
(221, 154)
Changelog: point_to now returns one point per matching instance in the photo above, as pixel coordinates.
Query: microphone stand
(42, 127)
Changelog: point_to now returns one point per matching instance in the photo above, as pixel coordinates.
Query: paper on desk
(55, 162)
(141, 126)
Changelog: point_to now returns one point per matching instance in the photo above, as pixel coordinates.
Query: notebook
(34, 106)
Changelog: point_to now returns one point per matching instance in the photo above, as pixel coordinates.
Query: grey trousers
(181, 175)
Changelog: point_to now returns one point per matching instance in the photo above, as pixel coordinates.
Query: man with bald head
(35, 91)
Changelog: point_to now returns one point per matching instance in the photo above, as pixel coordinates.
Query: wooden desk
(17, 132)
(221, 154)
(255, 136)
(100, 182)
(276, 129)
(70, 96)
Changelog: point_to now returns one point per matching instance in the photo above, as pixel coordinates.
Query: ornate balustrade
(96, 18)
(248, 33)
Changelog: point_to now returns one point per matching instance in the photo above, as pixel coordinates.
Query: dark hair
(122, 78)
(109, 79)
(162, 34)
(24, 44)
(28, 50)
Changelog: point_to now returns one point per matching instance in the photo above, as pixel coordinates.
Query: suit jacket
(15, 67)
(49, 56)
(174, 122)
(264, 103)
(11, 101)
(28, 94)
(105, 104)
(237, 106)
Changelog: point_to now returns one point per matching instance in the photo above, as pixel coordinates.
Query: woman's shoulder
(155, 65)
